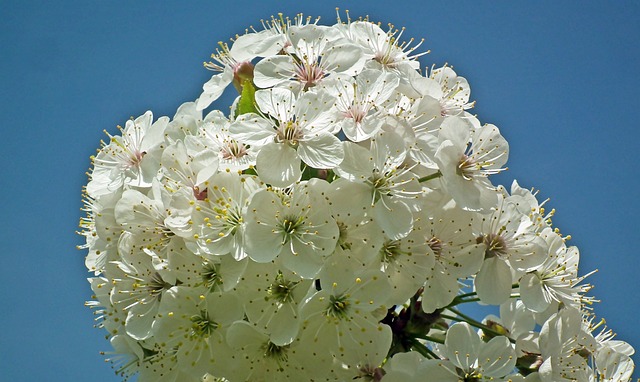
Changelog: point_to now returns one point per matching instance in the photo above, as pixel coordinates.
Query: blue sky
(559, 80)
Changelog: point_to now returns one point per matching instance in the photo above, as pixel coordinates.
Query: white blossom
(333, 226)
(468, 357)
(130, 159)
(295, 226)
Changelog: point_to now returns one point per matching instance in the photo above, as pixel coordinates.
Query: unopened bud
(242, 72)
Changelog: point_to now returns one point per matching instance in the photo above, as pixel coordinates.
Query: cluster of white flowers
(329, 229)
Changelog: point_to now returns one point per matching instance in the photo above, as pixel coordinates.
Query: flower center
(279, 353)
(338, 306)
(211, 277)
(202, 325)
(281, 289)
(370, 373)
(228, 216)
(233, 219)
(233, 150)
(436, 246)
(381, 183)
(357, 111)
(157, 285)
(390, 251)
(289, 132)
(466, 167)
(136, 157)
(384, 57)
(495, 245)
(309, 74)
(290, 225)
(472, 377)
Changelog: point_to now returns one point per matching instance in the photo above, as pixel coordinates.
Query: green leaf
(247, 103)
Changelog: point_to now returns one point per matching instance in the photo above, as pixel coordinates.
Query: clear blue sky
(560, 81)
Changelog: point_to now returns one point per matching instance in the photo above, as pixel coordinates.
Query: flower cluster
(330, 227)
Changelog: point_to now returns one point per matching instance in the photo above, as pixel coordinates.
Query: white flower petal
(533, 294)
(496, 357)
(357, 165)
(214, 88)
(262, 244)
(273, 71)
(242, 333)
(394, 217)
(322, 151)
(278, 165)
(462, 344)
(345, 58)
(276, 102)
(252, 129)
(614, 366)
(314, 111)
(493, 281)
